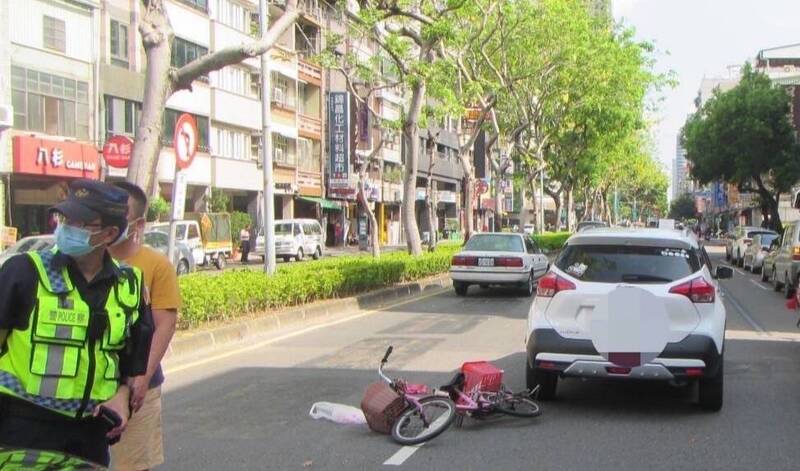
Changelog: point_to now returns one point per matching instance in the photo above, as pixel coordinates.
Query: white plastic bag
(339, 413)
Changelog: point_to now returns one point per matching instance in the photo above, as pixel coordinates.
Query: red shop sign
(34, 156)
(117, 151)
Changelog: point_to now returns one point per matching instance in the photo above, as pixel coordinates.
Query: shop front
(42, 171)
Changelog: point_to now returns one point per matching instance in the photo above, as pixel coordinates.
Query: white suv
(632, 304)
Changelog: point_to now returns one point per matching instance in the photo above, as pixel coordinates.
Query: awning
(324, 203)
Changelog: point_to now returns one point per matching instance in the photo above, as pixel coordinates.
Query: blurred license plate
(485, 262)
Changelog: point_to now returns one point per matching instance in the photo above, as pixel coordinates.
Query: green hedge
(551, 240)
(239, 292)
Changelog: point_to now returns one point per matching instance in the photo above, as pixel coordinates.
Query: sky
(697, 38)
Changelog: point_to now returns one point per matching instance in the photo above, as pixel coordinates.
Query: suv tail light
(508, 262)
(698, 290)
(460, 260)
(551, 283)
(796, 252)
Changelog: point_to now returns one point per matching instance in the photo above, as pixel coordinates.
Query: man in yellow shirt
(141, 447)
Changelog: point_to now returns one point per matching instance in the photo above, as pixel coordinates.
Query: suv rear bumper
(549, 350)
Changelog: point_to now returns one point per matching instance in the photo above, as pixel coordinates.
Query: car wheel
(461, 288)
(317, 254)
(764, 275)
(788, 288)
(299, 256)
(220, 262)
(727, 255)
(183, 267)
(545, 380)
(530, 287)
(740, 261)
(286, 259)
(710, 389)
(263, 259)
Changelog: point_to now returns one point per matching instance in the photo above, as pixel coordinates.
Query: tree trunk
(430, 203)
(411, 136)
(469, 195)
(556, 196)
(570, 210)
(157, 37)
(373, 222)
(588, 205)
(534, 203)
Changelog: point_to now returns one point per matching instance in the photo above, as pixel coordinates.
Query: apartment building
(49, 74)
(226, 104)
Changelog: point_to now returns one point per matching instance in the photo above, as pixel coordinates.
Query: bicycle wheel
(517, 406)
(409, 428)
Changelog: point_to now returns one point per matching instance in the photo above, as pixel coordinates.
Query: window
(201, 5)
(184, 52)
(231, 14)
(171, 116)
(281, 93)
(122, 116)
(280, 150)
(255, 147)
(234, 80)
(231, 144)
(119, 43)
(193, 233)
(50, 103)
(628, 264)
(494, 243)
(55, 35)
(308, 154)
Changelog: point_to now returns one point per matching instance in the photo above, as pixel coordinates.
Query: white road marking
(771, 336)
(740, 272)
(760, 285)
(264, 343)
(402, 455)
(744, 314)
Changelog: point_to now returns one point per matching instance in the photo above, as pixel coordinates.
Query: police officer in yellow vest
(74, 326)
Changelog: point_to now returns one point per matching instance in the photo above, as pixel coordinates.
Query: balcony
(310, 127)
(236, 109)
(309, 72)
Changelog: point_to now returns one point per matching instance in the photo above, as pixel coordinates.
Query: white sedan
(498, 259)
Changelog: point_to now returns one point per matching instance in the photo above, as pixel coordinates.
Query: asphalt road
(249, 409)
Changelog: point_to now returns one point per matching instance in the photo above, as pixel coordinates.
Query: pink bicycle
(478, 391)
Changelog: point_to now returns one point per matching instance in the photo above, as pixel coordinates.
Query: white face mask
(127, 234)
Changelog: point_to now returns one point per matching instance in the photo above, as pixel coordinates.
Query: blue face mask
(74, 241)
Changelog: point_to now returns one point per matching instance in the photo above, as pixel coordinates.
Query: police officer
(74, 326)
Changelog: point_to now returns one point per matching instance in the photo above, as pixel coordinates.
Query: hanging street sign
(117, 151)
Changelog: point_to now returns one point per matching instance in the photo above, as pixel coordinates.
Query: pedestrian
(244, 240)
(75, 327)
(141, 446)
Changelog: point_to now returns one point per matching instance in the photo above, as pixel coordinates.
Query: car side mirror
(723, 273)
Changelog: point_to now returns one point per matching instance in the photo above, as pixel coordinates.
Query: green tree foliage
(683, 207)
(744, 137)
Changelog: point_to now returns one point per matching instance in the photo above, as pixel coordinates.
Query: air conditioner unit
(6, 116)
(278, 96)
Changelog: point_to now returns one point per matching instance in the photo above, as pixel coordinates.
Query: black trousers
(245, 250)
(24, 425)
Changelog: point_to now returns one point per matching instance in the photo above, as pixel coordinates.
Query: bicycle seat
(456, 382)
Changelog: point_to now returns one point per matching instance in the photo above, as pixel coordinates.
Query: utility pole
(266, 148)
(541, 200)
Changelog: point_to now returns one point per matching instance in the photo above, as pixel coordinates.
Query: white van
(294, 238)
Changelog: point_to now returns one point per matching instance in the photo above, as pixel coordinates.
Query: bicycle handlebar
(388, 352)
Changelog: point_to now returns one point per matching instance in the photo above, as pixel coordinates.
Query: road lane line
(290, 335)
(740, 272)
(402, 455)
(744, 314)
(760, 285)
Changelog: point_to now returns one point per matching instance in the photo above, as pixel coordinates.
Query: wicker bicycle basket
(381, 406)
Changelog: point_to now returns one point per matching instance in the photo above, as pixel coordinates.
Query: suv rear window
(628, 264)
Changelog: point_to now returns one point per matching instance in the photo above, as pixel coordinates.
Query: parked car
(787, 261)
(769, 260)
(757, 251)
(208, 235)
(294, 238)
(741, 239)
(583, 225)
(27, 244)
(183, 260)
(629, 304)
(496, 258)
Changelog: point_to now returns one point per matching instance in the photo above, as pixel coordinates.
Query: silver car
(183, 259)
(27, 244)
(758, 250)
(787, 262)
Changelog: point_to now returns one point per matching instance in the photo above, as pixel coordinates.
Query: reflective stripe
(8, 381)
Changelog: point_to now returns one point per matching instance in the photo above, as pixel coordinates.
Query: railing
(309, 70)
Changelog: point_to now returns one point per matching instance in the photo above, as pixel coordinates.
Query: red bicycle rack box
(481, 375)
